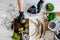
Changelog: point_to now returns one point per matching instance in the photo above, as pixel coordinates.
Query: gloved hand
(32, 10)
(39, 5)
(21, 16)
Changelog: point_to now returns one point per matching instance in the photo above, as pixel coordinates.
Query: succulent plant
(21, 29)
(52, 16)
(16, 36)
(26, 25)
(49, 7)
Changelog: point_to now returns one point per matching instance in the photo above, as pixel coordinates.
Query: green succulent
(21, 29)
(52, 16)
(16, 36)
(49, 7)
(26, 25)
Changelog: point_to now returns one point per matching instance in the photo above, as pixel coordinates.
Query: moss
(49, 7)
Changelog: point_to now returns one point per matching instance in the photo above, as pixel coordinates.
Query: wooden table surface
(58, 13)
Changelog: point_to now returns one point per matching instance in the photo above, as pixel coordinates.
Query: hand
(21, 17)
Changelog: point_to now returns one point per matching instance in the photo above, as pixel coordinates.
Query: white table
(5, 32)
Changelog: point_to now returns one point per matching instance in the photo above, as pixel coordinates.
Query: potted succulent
(52, 16)
(49, 7)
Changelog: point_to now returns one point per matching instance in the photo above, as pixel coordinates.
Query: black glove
(39, 5)
(32, 9)
(21, 16)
